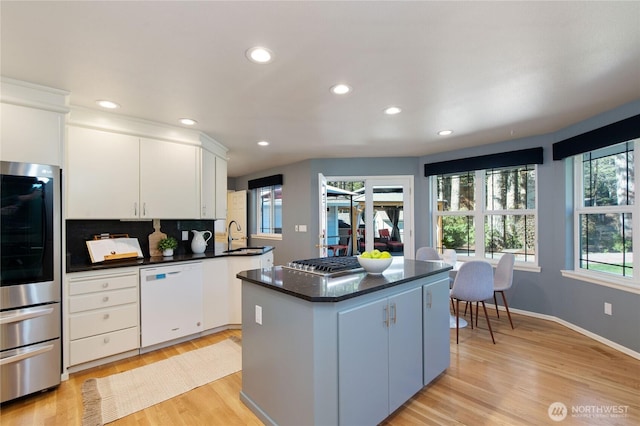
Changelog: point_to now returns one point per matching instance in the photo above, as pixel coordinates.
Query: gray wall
(547, 292)
(299, 208)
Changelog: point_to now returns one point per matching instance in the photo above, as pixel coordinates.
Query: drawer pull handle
(105, 299)
(106, 340)
(106, 316)
(105, 285)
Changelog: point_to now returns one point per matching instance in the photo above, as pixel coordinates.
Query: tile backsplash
(79, 231)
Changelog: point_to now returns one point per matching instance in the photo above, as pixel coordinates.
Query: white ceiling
(490, 71)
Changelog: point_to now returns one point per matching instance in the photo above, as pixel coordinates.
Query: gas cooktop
(327, 266)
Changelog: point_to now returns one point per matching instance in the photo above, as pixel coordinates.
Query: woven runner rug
(110, 398)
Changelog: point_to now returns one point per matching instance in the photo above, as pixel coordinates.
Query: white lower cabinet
(101, 346)
(239, 264)
(104, 309)
(103, 315)
(380, 357)
(215, 294)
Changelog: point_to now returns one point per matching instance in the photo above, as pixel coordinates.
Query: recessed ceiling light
(445, 132)
(260, 55)
(340, 89)
(263, 143)
(107, 104)
(392, 110)
(188, 121)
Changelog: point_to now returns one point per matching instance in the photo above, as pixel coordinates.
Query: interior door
(322, 202)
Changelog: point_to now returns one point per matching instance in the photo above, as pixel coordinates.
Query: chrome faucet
(229, 238)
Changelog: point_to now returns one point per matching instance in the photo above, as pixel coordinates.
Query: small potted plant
(167, 245)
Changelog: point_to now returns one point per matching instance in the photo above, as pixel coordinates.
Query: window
(603, 216)
(486, 213)
(268, 202)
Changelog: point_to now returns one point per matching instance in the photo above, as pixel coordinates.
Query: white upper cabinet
(31, 135)
(213, 204)
(116, 176)
(221, 188)
(169, 180)
(102, 175)
(208, 184)
(32, 120)
(118, 167)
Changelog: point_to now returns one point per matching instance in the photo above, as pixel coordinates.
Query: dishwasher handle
(163, 272)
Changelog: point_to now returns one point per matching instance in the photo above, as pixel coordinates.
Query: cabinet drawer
(102, 283)
(96, 347)
(103, 321)
(103, 300)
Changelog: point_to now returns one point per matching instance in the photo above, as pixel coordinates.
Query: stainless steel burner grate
(326, 265)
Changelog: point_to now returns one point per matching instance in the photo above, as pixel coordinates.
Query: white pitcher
(199, 243)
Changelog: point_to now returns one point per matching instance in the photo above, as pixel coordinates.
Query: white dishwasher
(170, 302)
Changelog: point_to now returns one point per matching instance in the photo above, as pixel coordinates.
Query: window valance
(265, 181)
(620, 131)
(490, 161)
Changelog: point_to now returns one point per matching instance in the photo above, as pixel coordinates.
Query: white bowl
(374, 266)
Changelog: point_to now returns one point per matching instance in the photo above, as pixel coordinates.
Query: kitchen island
(341, 350)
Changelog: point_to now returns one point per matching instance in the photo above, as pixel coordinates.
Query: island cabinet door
(437, 354)
(363, 364)
(380, 357)
(405, 347)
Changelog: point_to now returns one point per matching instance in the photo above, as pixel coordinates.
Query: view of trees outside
(508, 212)
(508, 193)
(456, 193)
(352, 186)
(606, 236)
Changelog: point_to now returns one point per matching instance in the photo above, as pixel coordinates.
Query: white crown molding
(103, 120)
(31, 95)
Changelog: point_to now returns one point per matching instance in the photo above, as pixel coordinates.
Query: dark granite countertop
(159, 260)
(316, 288)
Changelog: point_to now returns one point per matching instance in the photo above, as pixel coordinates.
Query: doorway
(365, 213)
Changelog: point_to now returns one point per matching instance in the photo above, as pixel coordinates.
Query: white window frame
(479, 215)
(258, 214)
(631, 284)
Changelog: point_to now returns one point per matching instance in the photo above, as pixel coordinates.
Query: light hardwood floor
(510, 383)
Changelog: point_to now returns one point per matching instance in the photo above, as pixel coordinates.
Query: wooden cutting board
(154, 239)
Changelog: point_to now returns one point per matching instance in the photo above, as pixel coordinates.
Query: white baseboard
(573, 327)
